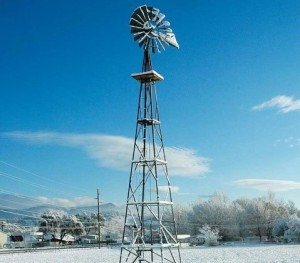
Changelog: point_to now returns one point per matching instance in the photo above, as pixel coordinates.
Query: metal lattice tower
(149, 233)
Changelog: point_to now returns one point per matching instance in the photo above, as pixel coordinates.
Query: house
(3, 239)
(16, 240)
(66, 240)
(186, 240)
(90, 239)
(24, 240)
(33, 239)
(183, 240)
(108, 237)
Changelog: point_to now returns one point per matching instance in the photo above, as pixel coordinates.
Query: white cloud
(268, 185)
(284, 103)
(183, 161)
(68, 202)
(165, 188)
(187, 194)
(115, 152)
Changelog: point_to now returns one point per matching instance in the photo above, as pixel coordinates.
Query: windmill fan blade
(137, 17)
(161, 44)
(160, 18)
(166, 30)
(141, 14)
(150, 12)
(142, 40)
(156, 45)
(155, 18)
(162, 38)
(136, 30)
(164, 24)
(154, 34)
(145, 12)
(138, 35)
(155, 11)
(134, 22)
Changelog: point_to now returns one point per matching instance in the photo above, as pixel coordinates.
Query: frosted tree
(211, 235)
(58, 224)
(114, 227)
(279, 227)
(293, 225)
(291, 207)
(288, 227)
(51, 221)
(261, 213)
(184, 219)
(274, 209)
(217, 211)
(90, 222)
(13, 228)
(71, 225)
(242, 218)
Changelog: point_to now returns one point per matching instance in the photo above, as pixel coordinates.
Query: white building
(3, 239)
(186, 240)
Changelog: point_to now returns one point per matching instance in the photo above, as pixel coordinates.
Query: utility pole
(98, 217)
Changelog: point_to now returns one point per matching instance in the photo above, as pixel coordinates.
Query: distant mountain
(43, 208)
(18, 207)
(104, 209)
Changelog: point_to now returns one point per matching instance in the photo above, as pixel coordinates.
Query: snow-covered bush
(210, 235)
(293, 225)
(279, 227)
(218, 210)
(289, 228)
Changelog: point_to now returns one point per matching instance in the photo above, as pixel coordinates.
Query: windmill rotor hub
(149, 25)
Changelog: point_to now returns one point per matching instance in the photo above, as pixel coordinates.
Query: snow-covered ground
(241, 254)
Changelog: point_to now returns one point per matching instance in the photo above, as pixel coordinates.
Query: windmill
(149, 233)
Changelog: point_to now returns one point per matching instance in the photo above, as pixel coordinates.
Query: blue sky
(229, 104)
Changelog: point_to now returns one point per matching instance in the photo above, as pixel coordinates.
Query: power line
(43, 178)
(20, 180)
(29, 198)
(14, 213)
(37, 185)
(33, 199)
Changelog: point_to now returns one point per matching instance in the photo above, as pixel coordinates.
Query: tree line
(260, 217)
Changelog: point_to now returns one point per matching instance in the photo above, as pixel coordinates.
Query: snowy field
(242, 254)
